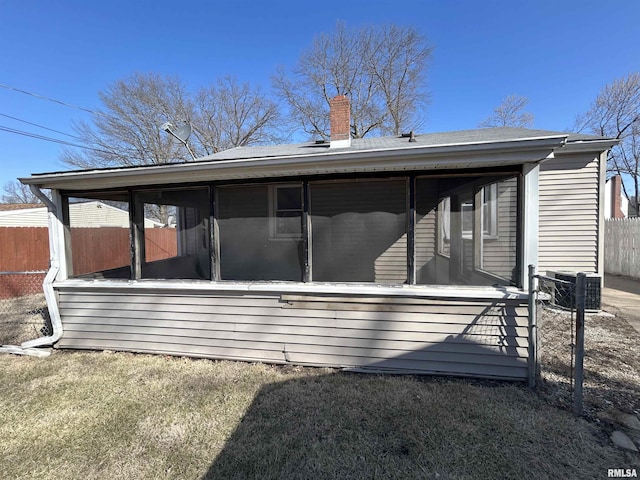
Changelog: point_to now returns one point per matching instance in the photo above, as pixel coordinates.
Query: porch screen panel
(99, 235)
(176, 233)
(466, 230)
(500, 213)
(359, 231)
(260, 231)
(426, 231)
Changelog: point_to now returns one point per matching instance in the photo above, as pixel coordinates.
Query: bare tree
(230, 114)
(127, 131)
(615, 113)
(510, 113)
(16, 192)
(381, 69)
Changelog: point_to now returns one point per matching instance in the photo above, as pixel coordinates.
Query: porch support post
(214, 250)
(411, 231)
(60, 236)
(530, 206)
(307, 272)
(478, 228)
(136, 212)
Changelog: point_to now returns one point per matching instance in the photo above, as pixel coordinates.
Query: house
(616, 203)
(398, 254)
(88, 214)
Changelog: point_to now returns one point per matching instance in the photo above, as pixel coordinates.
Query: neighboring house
(399, 254)
(616, 203)
(88, 214)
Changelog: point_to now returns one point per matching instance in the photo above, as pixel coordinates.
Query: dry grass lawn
(116, 415)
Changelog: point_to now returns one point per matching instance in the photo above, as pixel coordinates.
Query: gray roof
(459, 137)
(482, 148)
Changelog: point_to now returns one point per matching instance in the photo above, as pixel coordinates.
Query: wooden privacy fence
(98, 249)
(26, 249)
(22, 250)
(622, 247)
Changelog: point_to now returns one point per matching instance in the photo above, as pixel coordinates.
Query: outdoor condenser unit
(593, 298)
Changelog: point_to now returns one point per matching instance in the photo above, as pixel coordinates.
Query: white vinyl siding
(486, 338)
(568, 222)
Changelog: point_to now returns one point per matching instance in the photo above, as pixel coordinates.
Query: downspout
(27, 348)
(54, 267)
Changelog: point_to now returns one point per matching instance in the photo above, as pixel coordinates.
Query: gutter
(28, 347)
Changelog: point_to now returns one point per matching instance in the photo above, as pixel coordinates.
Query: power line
(40, 126)
(48, 139)
(60, 102)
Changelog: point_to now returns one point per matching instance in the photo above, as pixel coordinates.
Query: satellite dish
(180, 132)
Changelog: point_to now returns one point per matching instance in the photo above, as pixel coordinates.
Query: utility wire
(40, 126)
(48, 139)
(42, 97)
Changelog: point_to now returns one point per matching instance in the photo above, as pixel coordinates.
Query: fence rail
(622, 247)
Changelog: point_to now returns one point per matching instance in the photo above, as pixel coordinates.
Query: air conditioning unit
(593, 300)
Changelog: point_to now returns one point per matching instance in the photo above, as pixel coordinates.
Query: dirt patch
(611, 362)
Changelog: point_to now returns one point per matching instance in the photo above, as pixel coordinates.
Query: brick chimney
(339, 117)
(616, 193)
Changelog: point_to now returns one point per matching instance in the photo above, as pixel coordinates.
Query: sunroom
(419, 229)
(400, 254)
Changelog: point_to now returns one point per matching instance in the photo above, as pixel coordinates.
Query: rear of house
(377, 255)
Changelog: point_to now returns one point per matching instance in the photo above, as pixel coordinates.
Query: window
(99, 235)
(286, 211)
(490, 210)
(489, 213)
(444, 225)
(260, 232)
(176, 242)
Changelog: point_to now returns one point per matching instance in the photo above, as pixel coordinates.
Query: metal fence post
(580, 295)
(533, 329)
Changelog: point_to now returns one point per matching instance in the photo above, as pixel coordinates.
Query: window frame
(274, 234)
(489, 210)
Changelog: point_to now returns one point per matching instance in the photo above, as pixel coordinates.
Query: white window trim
(273, 209)
(444, 225)
(492, 209)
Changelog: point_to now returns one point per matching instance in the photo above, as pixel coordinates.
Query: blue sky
(559, 54)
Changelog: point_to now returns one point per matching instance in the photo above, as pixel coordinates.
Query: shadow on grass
(335, 426)
(360, 426)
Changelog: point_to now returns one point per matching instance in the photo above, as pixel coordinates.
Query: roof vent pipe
(340, 121)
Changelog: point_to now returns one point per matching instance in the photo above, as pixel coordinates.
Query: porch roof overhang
(408, 157)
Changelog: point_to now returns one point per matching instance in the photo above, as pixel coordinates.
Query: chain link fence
(23, 309)
(558, 307)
